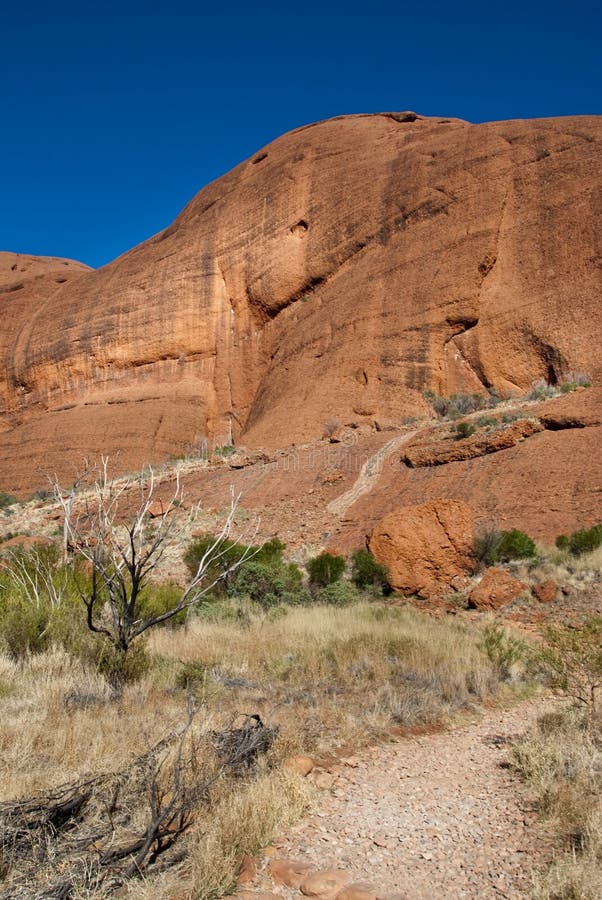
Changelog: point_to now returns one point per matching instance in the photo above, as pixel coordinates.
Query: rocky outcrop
(425, 547)
(545, 591)
(26, 284)
(497, 588)
(439, 452)
(337, 274)
(547, 485)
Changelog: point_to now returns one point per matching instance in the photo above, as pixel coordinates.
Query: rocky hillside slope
(338, 274)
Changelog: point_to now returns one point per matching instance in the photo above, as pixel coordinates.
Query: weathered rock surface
(359, 890)
(425, 547)
(497, 588)
(337, 274)
(545, 591)
(302, 765)
(289, 872)
(546, 485)
(440, 452)
(326, 884)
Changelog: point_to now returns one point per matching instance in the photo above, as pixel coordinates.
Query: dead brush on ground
(105, 830)
(318, 677)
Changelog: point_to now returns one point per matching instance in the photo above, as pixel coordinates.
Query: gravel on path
(441, 815)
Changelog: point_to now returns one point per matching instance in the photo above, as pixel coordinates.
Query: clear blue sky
(111, 121)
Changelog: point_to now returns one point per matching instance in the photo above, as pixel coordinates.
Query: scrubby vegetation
(561, 757)
(270, 584)
(139, 738)
(464, 430)
(338, 593)
(572, 380)
(325, 569)
(543, 390)
(224, 450)
(493, 546)
(367, 573)
(503, 650)
(581, 542)
(572, 660)
(6, 500)
(165, 783)
(457, 405)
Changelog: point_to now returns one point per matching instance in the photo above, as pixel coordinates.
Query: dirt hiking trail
(368, 476)
(435, 816)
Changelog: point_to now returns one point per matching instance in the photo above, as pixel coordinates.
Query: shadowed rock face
(337, 274)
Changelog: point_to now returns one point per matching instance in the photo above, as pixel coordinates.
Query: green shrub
(231, 553)
(492, 546)
(6, 500)
(121, 668)
(270, 585)
(271, 552)
(563, 542)
(367, 573)
(572, 658)
(225, 450)
(325, 569)
(585, 541)
(40, 604)
(24, 627)
(157, 599)
(502, 649)
(464, 430)
(516, 544)
(339, 593)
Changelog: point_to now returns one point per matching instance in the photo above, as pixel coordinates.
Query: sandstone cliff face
(26, 282)
(337, 274)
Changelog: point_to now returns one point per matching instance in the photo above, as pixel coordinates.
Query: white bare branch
(122, 529)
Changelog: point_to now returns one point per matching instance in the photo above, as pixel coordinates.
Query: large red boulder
(425, 547)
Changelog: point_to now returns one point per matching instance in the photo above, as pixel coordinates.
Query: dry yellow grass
(323, 676)
(562, 566)
(332, 675)
(47, 737)
(562, 758)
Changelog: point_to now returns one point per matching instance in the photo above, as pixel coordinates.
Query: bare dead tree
(122, 530)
